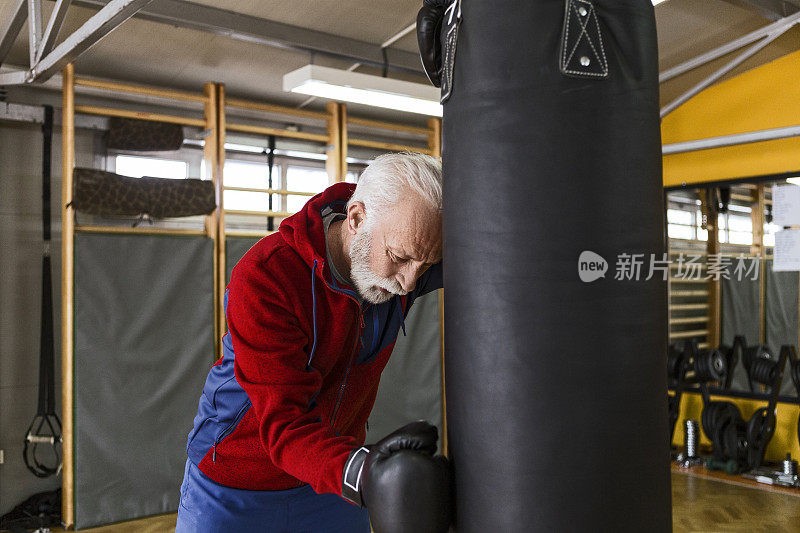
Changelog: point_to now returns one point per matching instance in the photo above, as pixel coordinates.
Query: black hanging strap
(45, 428)
(270, 163)
(47, 149)
(385, 70)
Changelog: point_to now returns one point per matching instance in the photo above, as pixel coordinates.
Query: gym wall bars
(215, 115)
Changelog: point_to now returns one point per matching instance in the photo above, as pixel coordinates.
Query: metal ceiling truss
(731, 140)
(12, 28)
(786, 14)
(45, 58)
(53, 27)
(758, 39)
(267, 32)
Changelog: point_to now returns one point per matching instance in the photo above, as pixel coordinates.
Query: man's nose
(406, 282)
(408, 276)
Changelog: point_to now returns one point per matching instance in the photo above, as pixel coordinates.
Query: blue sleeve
(429, 281)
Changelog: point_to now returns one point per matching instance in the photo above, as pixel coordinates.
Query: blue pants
(208, 507)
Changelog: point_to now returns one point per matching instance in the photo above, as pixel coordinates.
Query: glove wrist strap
(351, 479)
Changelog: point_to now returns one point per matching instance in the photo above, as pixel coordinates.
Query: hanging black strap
(46, 344)
(47, 149)
(270, 163)
(45, 428)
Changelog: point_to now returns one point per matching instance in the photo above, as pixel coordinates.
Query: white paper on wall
(787, 250)
(786, 205)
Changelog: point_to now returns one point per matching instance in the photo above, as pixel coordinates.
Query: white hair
(384, 182)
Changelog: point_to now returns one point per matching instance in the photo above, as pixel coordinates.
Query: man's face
(389, 254)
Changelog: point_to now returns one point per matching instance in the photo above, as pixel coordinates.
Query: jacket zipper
(374, 330)
(359, 328)
(229, 429)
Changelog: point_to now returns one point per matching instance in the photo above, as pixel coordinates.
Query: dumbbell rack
(795, 373)
(761, 425)
(676, 372)
(733, 354)
(732, 437)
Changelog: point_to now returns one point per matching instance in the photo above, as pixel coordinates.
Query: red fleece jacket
(308, 370)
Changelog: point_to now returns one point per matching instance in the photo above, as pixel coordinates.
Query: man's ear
(356, 215)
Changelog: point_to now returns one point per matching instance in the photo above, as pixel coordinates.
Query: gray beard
(367, 283)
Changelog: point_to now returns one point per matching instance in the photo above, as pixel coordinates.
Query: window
(679, 216)
(740, 223)
(306, 179)
(678, 231)
(702, 234)
(250, 201)
(769, 233)
(734, 227)
(137, 166)
(303, 179)
(740, 229)
(680, 224)
(736, 237)
(253, 178)
(250, 175)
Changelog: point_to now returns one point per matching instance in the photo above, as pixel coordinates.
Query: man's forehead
(417, 247)
(415, 233)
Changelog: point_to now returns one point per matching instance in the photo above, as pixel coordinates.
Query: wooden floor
(154, 524)
(699, 504)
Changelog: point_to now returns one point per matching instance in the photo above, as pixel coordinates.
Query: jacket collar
(304, 230)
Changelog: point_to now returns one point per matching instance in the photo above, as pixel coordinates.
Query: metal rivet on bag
(585, 61)
(582, 11)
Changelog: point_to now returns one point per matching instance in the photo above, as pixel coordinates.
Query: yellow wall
(784, 440)
(763, 98)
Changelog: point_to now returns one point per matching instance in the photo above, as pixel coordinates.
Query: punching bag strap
(582, 54)
(437, 32)
(452, 22)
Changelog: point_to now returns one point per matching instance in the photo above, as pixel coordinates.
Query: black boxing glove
(429, 25)
(405, 487)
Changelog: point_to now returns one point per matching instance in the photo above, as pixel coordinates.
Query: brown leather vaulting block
(107, 194)
(143, 135)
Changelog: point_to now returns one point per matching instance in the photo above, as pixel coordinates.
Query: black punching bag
(556, 386)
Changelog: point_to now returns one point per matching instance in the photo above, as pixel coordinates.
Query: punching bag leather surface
(555, 386)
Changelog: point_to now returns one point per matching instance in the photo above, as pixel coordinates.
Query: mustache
(390, 285)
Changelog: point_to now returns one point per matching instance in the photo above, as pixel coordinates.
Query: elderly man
(313, 314)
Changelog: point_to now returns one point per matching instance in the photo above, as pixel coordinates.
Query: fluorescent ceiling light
(345, 86)
(793, 181)
(656, 2)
